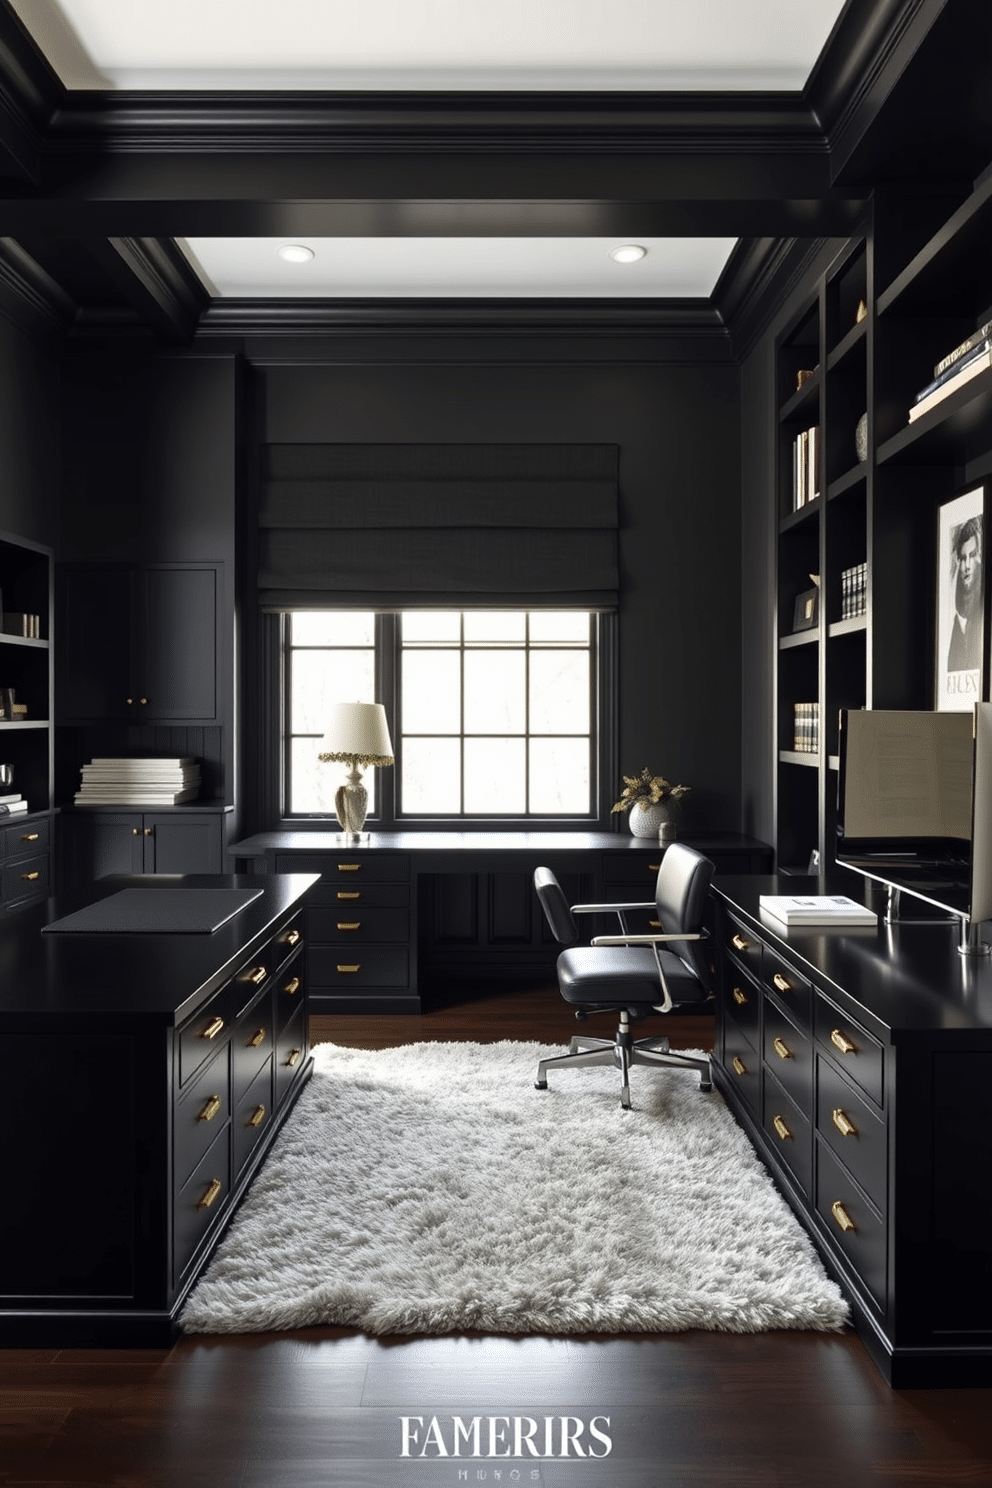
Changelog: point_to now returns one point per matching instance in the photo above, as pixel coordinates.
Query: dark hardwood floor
(325, 1406)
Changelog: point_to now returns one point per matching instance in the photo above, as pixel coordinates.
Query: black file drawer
(790, 1133)
(851, 1128)
(27, 839)
(352, 923)
(348, 869)
(291, 1049)
(850, 1046)
(251, 1045)
(252, 1115)
(743, 1000)
(743, 1065)
(788, 988)
(25, 880)
(204, 1033)
(201, 1201)
(343, 968)
(201, 1115)
(742, 946)
(342, 897)
(851, 1221)
(283, 945)
(789, 1054)
(289, 992)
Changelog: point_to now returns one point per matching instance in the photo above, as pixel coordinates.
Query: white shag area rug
(431, 1189)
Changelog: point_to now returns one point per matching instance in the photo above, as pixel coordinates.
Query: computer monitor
(915, 807)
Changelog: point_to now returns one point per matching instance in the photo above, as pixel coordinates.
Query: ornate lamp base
(351, 802)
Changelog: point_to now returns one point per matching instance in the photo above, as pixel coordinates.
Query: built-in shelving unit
(870, 349)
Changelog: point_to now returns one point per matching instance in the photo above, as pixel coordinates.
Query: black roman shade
(392, 526)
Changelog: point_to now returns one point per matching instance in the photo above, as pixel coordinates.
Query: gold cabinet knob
(781, 1128)
(739, 1065)
(294, 1056)
(257, 1116)
(781, 1049)
(149, 831)
(293, 936)
(213, 1028)
(257, 976)
(210, 1109)
(781, 982)
(29, 836)
(257, 1038)
(292, 986)
(739, 996)
(213, 1189)
(143, 702)
(842, 1042)
(739, 943)
(30, 877)
(842, 1217)
(843, 1122)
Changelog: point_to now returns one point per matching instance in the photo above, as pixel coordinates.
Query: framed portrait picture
(806, 610)
(959, 662)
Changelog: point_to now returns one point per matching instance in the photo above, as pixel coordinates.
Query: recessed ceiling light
(294, 253)
(629, 253)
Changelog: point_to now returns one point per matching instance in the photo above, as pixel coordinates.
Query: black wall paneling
(466, 523)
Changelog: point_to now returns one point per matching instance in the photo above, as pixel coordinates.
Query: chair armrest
(635, 940)
(608, 908)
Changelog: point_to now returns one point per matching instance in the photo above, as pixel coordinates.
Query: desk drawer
(850, 1046)
(200, 1116)
(24, 840)
(742, 1064)
(290, 992)
(251, 1045)
(204, 1034)
(340, 968)
(291, 1054)
(285, 942)
(27, 879)
(788, 1053)
(356, 922)
(639, 869)
(341, 897)
(252, 1116)
(348, 868)
(851, 1221)
(201, 1201)
(788, 988)
(742, 1000)
(790, 1133)
(853, 1131)
(742, 946)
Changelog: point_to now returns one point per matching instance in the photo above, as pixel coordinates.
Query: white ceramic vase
(652, 821)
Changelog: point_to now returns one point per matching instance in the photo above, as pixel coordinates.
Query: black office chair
(633, 975)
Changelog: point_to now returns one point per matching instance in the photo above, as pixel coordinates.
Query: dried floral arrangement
(647, 790)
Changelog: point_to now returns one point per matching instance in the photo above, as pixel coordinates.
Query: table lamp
(355, 734)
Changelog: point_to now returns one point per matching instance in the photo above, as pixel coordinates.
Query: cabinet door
(176, 670)
(102, 843)
(94, 644)
(183, 844)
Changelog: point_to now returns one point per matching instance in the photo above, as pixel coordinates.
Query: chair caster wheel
(705, 1087)
(540, 1084)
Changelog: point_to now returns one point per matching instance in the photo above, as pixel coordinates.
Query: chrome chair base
(622, 1052)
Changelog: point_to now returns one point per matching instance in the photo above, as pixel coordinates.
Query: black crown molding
(317, 123)
(30, 94)
(29, 296)
(758, 277)
(468, 318)
(158, 282)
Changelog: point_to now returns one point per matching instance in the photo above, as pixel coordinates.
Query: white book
(817, 909)
(971, 370)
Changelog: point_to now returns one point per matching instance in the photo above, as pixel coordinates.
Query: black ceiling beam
(157, 281)
(30, 94)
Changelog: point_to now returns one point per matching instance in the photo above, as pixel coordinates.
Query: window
(492, 713)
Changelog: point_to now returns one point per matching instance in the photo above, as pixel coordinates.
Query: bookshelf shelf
(795, 757)
(26, 670)
(800, 638)
(29, 643)
(855, 625)
(852, 480)
(954, 432)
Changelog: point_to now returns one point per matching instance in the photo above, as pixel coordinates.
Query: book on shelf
(805, 467)
(970, 368)
(806, 728)
(18, 623)
(14, 808)
(11, 800)
(110, 795)
(976, 338)
(816, 909)
(854, 591)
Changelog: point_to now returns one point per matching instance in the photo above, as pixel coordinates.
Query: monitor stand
(970, 944)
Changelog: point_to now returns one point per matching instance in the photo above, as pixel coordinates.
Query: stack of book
(805, 467)
(816, 909)
(138, 782)
(965, 362)
(12, 805)
(854, 591)
(16, 622)
(11, 711)
(806, 733)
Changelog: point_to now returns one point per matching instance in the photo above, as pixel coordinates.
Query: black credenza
(860, 1065)
(401, 912)
(143, 1078)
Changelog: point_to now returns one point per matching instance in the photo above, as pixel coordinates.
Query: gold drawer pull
(842, 1042)
(292, 986)
(213, 1189)
(257, 976)
(210, 1109)
(739, 943)
(257, 1116)
(293, 1058)
(739, 1065)
(781, 1128)
(350, 969)
(781, 983)
(349, 894)
(257, 1038)
(842, 1217)
(135, 831)
(29, 836)
(292, 937)
(781, 1049)
(655, 924)
(349, 867)
(739, 996)
(843, 1122)
(30, 877)
(349, 924)
(213, 1028)
(653, 867)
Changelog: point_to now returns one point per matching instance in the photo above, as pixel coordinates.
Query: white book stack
(12, 805)
(131, 781)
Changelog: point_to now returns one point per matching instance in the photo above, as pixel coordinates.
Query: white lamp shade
(357, 733)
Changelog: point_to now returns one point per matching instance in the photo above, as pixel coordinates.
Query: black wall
(29, 434)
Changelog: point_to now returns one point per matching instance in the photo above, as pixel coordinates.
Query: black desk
(142, 1079)
(412, 910)
(860, 1065)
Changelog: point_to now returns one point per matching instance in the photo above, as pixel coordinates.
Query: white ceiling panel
(431, 44)
(453, 267)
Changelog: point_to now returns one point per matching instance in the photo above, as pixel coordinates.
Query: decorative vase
(652, 821)
(861, 438)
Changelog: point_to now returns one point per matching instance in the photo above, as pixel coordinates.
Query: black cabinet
(139, 643)
(100, 842)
